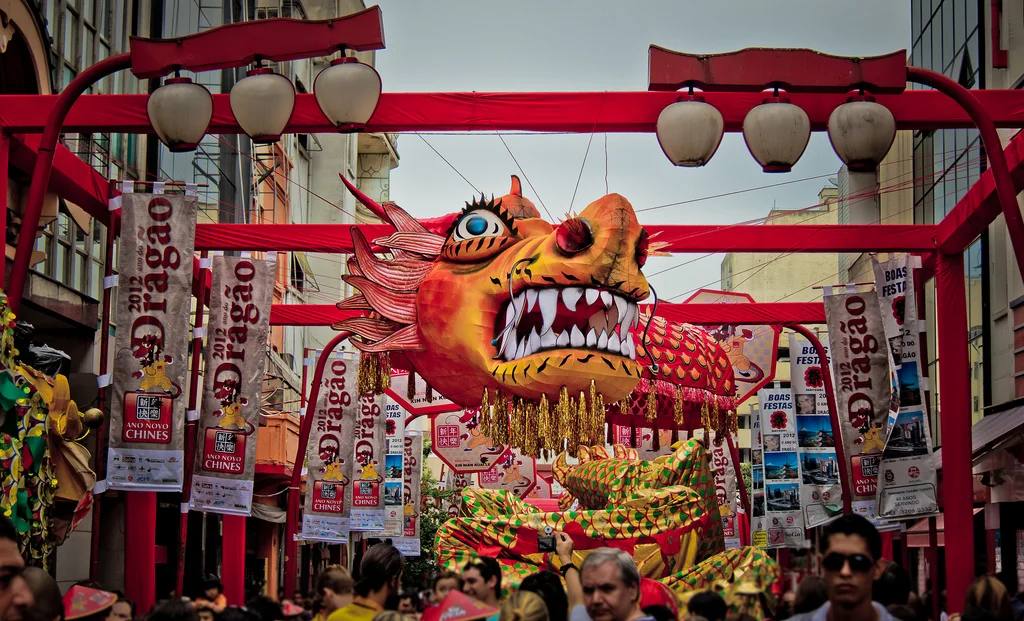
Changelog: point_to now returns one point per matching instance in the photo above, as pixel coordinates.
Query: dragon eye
(479, 223)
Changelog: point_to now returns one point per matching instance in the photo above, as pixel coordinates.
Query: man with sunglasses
(852, 562)
(15, 597)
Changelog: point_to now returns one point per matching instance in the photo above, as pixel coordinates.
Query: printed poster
(368, 484)
(457, 441)
(758, 517)
(907, 487)
(235, 359)
(394, 433)
(395, 429)
(514, 473)
(820, 489)
(860, 367)
(147, 408)
(457, 481)
(783, 518)
(623, 434)
(329, 454)
(409, 543)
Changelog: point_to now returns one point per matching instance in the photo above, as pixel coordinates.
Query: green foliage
(419, 570)
(747, 480)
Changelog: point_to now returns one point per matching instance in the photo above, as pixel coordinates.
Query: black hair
(381, 564)
(707, 604)
(892, 587)
(488, 568)
(548, 586)
(264, 608)
(853, 524)
(173, 610)
(211, 581)
(237, 613)
(811, 593)
(7, 530)
(659, 613)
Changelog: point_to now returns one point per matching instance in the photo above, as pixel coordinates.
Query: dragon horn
(367, 202)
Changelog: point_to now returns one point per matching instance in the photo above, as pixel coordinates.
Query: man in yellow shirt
(380, 574)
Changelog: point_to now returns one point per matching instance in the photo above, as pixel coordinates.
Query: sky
(571, 45)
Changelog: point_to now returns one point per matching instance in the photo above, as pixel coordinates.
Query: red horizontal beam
(980, 206)
(681, 238)
(798, 70)
(241, 43)
(771, 313)
(635, 112)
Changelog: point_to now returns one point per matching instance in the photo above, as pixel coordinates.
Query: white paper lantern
(689, 131)
(262, 103)
(861, 132)
(776, 133)
(347, 92)
(180, 113)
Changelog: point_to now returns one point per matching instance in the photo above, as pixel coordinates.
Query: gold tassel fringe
(677, 407)
(485, 416)
(410, 389)
(374, 373)
(652, 404)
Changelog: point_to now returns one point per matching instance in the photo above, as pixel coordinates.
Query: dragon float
(539, 325)
(45, 479)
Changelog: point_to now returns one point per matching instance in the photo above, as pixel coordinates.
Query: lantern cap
(260, 71)
(341, 60)
(178, 80)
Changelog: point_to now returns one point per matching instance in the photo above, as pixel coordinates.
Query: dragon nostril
(573, 236)
(642, 248)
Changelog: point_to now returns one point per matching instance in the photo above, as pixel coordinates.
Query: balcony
(277, 444)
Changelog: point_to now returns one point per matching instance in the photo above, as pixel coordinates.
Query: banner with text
(409, 543)
(154, 292)
(513, 473)
(393, 471)
(329, 453)
(457, 441)
(758, 516)
(820, 491)
(726, 488)
(907, 487)
(235, 359)
(860, 367)
(370, 449)
(783, 519)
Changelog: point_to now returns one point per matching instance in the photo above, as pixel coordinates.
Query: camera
(545, 544)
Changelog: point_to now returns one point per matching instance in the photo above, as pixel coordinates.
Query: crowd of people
(856, 583)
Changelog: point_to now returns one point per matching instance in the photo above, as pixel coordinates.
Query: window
(298, 275)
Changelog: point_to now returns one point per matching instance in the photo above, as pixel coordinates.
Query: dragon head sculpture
(505, 300)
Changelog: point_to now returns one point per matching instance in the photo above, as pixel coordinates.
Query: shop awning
(917, 535)
(992, 433)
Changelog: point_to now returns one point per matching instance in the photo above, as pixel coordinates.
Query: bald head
(49, 605)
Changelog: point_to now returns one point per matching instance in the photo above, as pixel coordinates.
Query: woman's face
(120, 611)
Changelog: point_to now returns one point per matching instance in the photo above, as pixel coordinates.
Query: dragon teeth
(605, 331)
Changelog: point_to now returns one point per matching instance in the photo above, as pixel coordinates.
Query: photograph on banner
(329, 453)
(752, 349)
(368, 485)
(235, 359)
(758, 517)
(458, 443)
(820, 492)
(860, 367)
(645, 444)
(150, 370)
(409, 542)
(783, 517)
(514, 473)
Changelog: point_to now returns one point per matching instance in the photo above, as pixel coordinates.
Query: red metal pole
(291, 564)
(955, 417)
(233, 558)
(190, 426)
(43, 166)
(104, 405)
(833, 412)
(993, 149)
(5, 151)
(140, 548)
